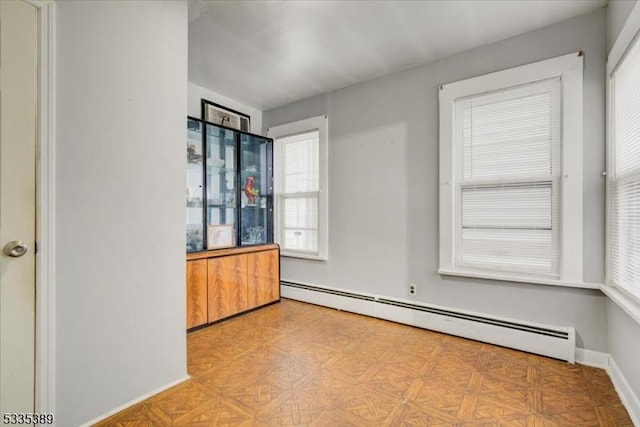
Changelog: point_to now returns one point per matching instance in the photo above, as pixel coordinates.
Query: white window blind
(507, 148)
(300, 192)
(624, 254)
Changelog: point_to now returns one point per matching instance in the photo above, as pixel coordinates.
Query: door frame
(45, 209)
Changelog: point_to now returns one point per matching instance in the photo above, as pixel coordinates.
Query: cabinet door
(195, 188)
(264, 278)
(256, 197)
(196, 293)
(227, 286)
(221, 187)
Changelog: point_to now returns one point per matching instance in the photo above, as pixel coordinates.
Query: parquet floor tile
(297, 409)
(296, 364)
(368, 404)
(180, 400)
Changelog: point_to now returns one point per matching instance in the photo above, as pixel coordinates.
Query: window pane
(301, 212)
(300, 226)
(519, 250)
(627, 113)
(508, 145)
(301, 156)
(512, 133)
(625, 233)
(625, 184)
(299, 199)
(301, 240)
(509, 206)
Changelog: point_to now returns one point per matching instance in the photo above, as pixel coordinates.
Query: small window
(508, 209)
(300, 180)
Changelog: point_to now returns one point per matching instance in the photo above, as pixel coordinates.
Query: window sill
(302, 256)
(625, 302)
(520, 279)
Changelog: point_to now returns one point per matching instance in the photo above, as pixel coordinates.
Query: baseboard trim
(592, 358)
(627, 396)
(134, 401)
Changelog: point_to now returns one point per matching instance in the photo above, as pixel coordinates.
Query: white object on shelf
(218, 163)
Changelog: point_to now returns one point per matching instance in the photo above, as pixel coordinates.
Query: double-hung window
(511, 173)
(300, 178)
(508, 149)
(624, 171)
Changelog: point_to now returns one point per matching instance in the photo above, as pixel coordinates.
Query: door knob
(15, 248)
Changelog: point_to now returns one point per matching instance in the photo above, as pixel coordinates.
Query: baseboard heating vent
(328, 291)
(553, 341)
(482, 319)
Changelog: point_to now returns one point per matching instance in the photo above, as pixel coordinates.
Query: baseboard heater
(553, 341)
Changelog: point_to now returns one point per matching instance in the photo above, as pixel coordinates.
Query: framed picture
(219, 115)
(220, 236)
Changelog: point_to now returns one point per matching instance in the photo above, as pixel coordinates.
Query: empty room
(320, 213)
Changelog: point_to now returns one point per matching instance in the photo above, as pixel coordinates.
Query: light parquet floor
(296, 364)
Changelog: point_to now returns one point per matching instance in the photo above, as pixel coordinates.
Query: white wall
(197, 93)
(624, 331)
(624, 347)
(617, 13)
(121, 107)
(383, 185)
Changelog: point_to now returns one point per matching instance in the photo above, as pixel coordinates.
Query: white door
(18, 83)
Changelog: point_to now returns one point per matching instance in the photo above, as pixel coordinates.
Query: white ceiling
(269, 53)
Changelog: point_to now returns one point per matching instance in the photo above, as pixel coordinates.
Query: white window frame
(629, 35)
(569, 68)
(319, 123)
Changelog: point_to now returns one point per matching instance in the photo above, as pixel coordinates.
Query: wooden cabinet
(227, 286)
(196, 293)
(226, 282)
(264, 278)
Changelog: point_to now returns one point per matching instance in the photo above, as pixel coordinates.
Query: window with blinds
(624, 183)
(507, 162)
(299, 194)
(300, 153)
(511, 174)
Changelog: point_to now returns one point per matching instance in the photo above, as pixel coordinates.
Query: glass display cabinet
(229, 187)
